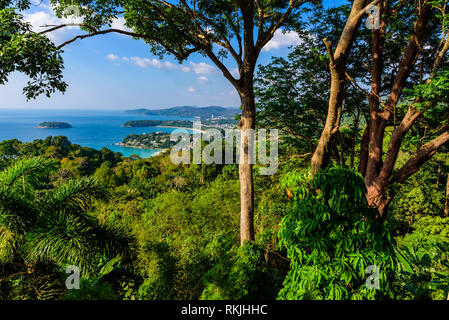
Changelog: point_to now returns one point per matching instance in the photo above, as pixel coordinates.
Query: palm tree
(52, 227)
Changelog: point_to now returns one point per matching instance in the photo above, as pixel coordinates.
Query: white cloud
(112, 57)
(40, 19)
(46, 16)
(203, 80)
(119, 23)
(191, 89)
(145, 63)
(281, 39)
(202, 68)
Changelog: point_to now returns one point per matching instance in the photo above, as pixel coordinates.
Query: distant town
(161, 140)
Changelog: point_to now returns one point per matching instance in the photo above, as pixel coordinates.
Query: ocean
(91, 128)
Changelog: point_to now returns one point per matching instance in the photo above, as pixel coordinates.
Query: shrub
(241, 273)
(331, 237)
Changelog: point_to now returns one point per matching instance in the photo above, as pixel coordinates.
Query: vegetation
(326, 264)
(27, 52)
(237, 29)
(149, 229)
(358, 209)
(54, 125)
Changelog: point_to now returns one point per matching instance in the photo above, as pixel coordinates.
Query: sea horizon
(95, 128)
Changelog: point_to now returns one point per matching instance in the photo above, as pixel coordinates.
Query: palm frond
(26, 173)
(9, 242)
(63, 239)
(17, 213)
(74, 195)
(68, 239)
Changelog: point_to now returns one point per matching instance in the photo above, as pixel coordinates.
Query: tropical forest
(358, 208)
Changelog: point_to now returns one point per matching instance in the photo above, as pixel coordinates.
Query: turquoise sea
(91, 128)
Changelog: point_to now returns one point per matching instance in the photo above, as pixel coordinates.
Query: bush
(241, 273)
(424, 256)
(331, 237)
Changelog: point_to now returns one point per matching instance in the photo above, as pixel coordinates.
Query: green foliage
(331, 237)
(51, 227)
(435, 93)
(30, 53)
(149, 229)
(172, 28)
(241, 273)
(428, 229)
(425, 260)
(416, 198)
(174, 235)
(10, 147)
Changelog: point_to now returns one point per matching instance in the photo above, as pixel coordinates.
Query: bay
(91, 128)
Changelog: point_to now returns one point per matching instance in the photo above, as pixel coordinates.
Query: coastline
(123, 145)
(161, 126)
(202, 131)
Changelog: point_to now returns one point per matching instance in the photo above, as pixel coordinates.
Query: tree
(413, 88)
(288, 99)
(216, 29)
(338, 59)
(27, 52)
(292, 93)
(10, 147)
(51, 227)
(333, 239)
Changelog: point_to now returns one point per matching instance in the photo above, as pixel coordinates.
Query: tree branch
(420, 157)
(265, 37)
(179, 55)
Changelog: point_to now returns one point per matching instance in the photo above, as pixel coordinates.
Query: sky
(117, 72)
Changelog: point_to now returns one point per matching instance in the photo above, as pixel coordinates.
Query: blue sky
(116, 72)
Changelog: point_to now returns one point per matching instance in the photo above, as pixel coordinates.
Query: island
(54, 125)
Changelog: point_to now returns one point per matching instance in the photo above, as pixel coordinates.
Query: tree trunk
(446, 204)
(337, 67)
(376, 197)
(247, 122)
(378, 175)
(335, 101)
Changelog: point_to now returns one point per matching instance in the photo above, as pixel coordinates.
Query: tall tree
(337, 65)
(216, 29)
(413, 88)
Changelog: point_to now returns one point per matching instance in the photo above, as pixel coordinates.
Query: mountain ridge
(188, 111)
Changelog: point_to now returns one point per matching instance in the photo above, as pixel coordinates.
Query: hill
(189, 111)
(155, 123)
